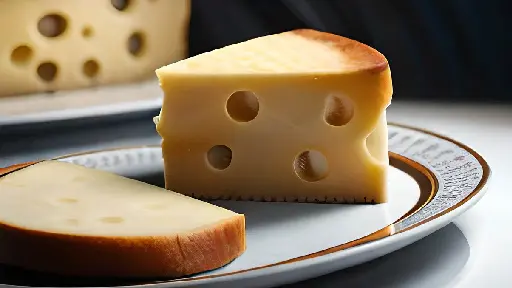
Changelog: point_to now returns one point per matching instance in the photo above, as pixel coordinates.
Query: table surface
(466, 253)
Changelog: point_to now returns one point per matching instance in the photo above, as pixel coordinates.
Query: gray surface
(473, 252)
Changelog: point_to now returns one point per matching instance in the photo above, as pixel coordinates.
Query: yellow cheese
(296, 116)
(60, 44)
(64, 218)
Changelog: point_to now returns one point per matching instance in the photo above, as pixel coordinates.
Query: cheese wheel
(295, 116)
(67, 219)
(59, 44)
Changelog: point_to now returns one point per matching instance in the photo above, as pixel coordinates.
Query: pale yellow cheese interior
(238, 122)
(65, 198)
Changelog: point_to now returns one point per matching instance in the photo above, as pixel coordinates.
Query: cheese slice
(295, 116)
(67, 219)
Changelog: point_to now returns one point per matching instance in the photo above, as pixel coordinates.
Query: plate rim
(480, 188)
(82, 113)
(377, 238)
(152, 100)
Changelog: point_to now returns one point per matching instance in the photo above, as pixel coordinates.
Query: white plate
(82, 103)
(432, 180)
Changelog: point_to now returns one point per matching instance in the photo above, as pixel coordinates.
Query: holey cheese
(297, 116)
(55, 45)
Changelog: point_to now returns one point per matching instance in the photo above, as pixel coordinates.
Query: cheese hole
(338, 111)
(87, 32)
(21, 55)
(52, 25)
(311, 166)
(47, 71)
(219, 157)
(91, 68)
(373, 149)
(136, 44)
(374, 142)
(112, 220)
(243, 106)
(120, 5)
(68, 200)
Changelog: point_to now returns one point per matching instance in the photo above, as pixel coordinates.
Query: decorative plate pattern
(457, 171)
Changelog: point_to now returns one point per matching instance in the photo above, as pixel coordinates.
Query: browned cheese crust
(363, 55)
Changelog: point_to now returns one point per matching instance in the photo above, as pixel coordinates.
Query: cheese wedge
(296, 116)
(67, 219)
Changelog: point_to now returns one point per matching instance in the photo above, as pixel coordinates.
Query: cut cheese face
(59, 44)
(296, 116)
(82, 201)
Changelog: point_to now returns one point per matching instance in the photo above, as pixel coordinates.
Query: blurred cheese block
(67, 219)
(296, 116)
(60, 44)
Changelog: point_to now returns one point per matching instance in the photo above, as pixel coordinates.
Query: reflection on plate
(432, 180)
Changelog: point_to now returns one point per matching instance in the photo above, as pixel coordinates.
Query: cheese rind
(297, 78)
(93, 223)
